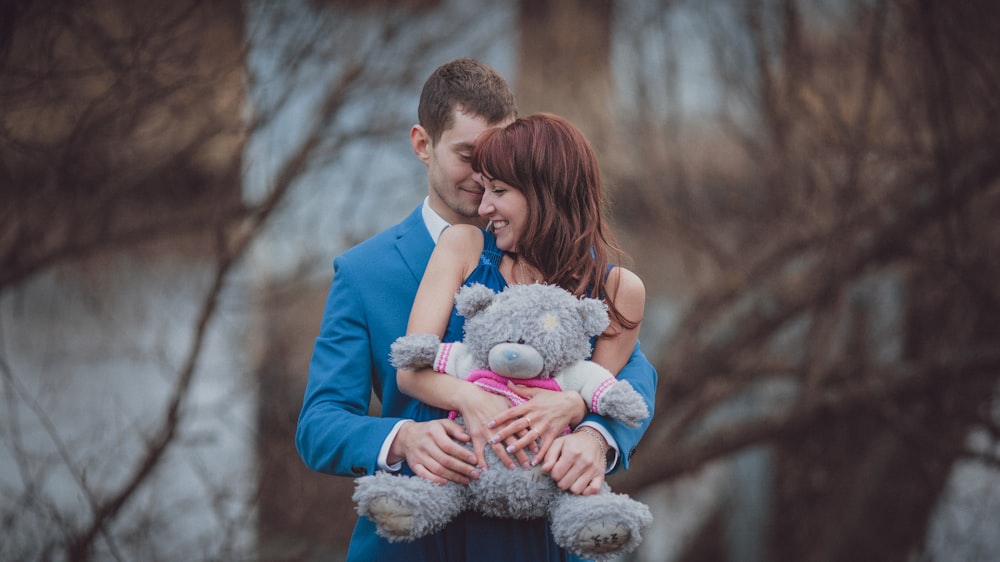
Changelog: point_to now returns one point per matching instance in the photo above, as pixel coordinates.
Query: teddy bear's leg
(599, 527)
(405, 508)
(512, 494)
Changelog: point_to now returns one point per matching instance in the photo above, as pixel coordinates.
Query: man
(368, 307)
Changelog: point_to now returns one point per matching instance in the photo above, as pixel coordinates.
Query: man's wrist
(390, 456)
(613, 449)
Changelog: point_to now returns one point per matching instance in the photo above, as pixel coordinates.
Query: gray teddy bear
(533, 334)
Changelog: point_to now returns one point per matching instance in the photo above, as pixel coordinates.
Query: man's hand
(576, 463)
(430, 450)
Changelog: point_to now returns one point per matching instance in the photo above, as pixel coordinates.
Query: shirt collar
(434, 222)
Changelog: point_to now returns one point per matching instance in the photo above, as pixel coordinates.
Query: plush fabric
(525, 333)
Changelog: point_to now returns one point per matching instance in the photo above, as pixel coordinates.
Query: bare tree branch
(870, 392)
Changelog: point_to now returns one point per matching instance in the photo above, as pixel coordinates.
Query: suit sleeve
(639, 372)
(335, 434)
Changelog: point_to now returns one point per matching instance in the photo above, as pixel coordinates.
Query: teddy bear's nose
(516, 361)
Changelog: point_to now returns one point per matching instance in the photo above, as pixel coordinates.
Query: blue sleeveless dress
(472, 536)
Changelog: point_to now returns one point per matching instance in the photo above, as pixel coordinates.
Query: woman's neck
(522, 273)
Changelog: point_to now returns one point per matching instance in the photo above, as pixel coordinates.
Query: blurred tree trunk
(301, 514)
(564, 64)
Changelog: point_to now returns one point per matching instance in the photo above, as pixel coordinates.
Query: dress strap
(491, 255)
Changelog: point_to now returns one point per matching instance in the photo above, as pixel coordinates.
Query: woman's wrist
(579, 406)
(466, 396)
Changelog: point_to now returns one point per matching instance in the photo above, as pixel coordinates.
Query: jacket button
(359, 470)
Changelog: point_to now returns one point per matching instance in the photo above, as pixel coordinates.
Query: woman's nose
(486, 205)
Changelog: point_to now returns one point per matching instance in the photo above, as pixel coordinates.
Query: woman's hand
(537, 423)
(478, 407)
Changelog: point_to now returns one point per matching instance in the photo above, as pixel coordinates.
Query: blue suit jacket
(368, 307)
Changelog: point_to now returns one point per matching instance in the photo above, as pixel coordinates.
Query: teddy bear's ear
(472, 299)
(594, 314)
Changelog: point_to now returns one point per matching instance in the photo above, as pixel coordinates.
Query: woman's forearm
(434, 388)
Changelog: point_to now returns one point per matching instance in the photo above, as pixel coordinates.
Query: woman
(545, 202)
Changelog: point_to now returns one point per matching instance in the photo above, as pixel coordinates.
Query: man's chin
(471, 213)
(475, 219)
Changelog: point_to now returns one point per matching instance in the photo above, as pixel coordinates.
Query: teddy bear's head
(531, 330)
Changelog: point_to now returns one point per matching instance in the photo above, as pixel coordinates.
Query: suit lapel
(414, 243)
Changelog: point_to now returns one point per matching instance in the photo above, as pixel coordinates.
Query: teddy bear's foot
(392, 518)
(602, 537)
(599, 527)
(405, 508)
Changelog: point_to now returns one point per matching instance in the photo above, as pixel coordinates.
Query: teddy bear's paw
(603, 536)
(621, 402)
(392, 518)
(414, 351)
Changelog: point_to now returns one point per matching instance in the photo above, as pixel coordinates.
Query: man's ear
(421, 143)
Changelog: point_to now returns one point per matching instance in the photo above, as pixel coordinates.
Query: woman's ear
(421, 143)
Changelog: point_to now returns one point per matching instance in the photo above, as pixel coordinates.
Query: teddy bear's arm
(419, 351)
(604, 394)
(454, 359)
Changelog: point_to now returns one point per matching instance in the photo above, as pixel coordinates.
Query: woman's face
(507, 207)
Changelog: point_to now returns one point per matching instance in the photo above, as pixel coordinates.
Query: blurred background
(809, 189)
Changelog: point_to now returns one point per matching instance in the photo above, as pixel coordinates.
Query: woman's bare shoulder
(460, 243)
(627, 292)
(622, 280)
(460, 236)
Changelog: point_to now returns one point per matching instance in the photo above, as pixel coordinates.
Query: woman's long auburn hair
(549, 160)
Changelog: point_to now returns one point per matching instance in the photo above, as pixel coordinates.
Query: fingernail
(493, 440)
(526, 465)
(510, 449)
(491, 425)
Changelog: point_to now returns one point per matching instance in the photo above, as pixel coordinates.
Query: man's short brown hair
(473, 87)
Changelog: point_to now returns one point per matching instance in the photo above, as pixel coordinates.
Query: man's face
(454, 192)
